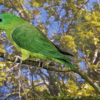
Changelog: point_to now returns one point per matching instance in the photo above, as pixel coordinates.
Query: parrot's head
(9, 21)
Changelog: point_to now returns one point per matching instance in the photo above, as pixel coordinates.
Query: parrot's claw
(43, 63)
(40, 63)
(17, 59)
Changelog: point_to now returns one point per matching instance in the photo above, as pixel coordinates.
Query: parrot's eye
(1, 19)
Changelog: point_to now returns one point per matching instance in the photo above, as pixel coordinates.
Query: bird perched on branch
(31, 41)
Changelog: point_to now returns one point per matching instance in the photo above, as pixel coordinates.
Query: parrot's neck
(11, 26)
(9, 36)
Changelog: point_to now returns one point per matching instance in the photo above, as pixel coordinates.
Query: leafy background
(73, 25)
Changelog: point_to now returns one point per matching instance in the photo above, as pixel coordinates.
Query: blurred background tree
(71, 26)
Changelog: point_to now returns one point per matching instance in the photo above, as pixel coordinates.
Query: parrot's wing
(30, 38)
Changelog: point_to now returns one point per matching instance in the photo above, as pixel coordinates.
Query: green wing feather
(30, 38)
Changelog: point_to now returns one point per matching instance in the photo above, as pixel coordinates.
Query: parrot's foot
(18, 58)
(40, 63)
(43, 63)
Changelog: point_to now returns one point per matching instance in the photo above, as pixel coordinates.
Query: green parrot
(31, 41)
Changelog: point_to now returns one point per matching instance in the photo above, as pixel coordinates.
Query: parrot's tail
(66, 63)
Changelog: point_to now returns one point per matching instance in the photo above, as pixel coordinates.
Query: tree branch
(52, 67)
